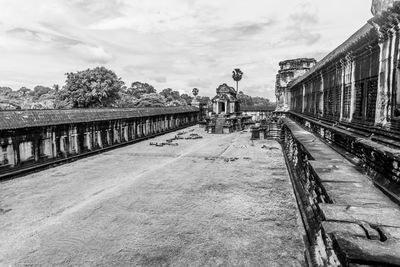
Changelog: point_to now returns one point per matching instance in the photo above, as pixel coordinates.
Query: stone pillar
(303, 104)
(342, 78)
(383, 99)
(321, 98)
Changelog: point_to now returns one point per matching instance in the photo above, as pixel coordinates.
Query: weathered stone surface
(374, 215)
(356, 194)
(344, 228)
(361, 250)
(341, 171)
(390, 232)
(221, 200)
(380, 6)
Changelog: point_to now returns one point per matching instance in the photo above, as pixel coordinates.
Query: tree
(261, 101)
(125, 100)
(41, 90)
(237, 75)
(24, 91)
(150, 100)
(245, 100)
(172, 97)
(56, 87)
(138, 89)
(91, 88)
(187, 98)
(204, 100)
(5, 90)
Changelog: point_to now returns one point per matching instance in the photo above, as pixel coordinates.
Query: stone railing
(346, 218)
(381, 161)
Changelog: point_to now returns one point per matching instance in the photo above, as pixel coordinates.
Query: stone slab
(374, 215)
(344, 228)
(336, 171)
(361, 250)
(356, 194)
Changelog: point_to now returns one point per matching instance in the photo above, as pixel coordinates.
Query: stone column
(343, 68)
(353, 87)
(303, 104)
(321, 98)
(382, 101)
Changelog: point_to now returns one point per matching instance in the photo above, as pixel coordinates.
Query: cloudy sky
(179, 44)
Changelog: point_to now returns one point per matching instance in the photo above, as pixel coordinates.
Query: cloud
(304, 18)
(179, 44)
(250, 28)
(38, 36)
(201, 83)
(300, 30)
(92, 53)
(159, 79)
(301, 36)
(88, 52)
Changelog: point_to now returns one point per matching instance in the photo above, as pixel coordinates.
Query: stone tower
(289, 70)
(380, 6)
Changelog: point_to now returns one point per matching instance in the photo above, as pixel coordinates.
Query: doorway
(222, 108)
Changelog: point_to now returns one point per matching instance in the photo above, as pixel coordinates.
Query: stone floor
(218, 201)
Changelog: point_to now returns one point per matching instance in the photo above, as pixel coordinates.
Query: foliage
(125, 100)
(91, 88)
(138, 89)
(150, 100)
(173, 98)
(100, 87)
(237, 75)
(261, 101)
(245, 100)
(5, 90)
(187, 98)
(24, 91)
(41, 90)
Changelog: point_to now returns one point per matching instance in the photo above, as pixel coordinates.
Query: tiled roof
(339, 51)
(14, 119)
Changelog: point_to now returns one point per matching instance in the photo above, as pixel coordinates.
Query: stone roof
(226, 89)
(297, 60)
(340, 51)
(224, 96)
(16, 119)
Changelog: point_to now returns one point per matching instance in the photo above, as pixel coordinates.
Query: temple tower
(289, 70)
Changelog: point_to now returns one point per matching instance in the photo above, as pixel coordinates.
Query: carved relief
(379, 6)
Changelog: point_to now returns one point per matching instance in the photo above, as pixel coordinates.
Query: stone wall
(358, 84)
(42, 142)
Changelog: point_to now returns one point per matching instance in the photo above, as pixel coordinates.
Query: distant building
(225, 116)
(225, 102)
(257, 113)
(289, 70)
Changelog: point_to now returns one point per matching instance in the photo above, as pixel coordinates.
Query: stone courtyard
(222, 200)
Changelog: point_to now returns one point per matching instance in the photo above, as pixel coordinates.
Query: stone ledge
(360, 220)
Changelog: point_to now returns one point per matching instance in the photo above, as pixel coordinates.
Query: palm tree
(237, 75)
(195, 92)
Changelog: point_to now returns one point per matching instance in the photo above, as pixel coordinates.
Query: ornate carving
(380, 6)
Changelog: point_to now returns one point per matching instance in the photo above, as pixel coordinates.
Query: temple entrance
(222, 108)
